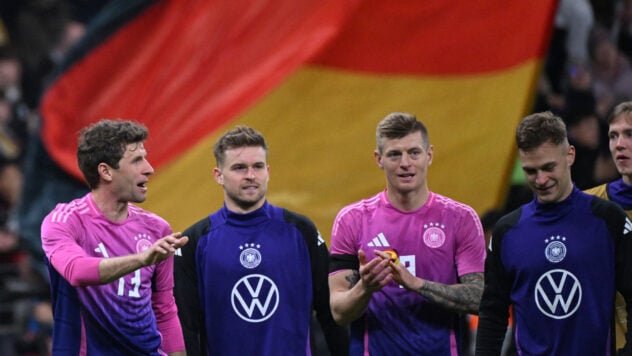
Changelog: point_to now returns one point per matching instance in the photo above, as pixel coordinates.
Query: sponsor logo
(255, 298)
(434, 236)
(555, 249)
(558, 294)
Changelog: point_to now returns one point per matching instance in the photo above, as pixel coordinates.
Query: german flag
(314, 77)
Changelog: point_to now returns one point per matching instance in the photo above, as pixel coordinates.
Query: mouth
(544, 190)
(142, 186)
(406, 175)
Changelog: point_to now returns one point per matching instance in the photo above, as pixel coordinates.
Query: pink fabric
(167, 320)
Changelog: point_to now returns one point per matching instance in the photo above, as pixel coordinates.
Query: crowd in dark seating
(34, 36)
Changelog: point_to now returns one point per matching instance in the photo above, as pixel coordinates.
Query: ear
(430, 154)
(105, 172)
(570, 157)
(378, 159)
(217, 174)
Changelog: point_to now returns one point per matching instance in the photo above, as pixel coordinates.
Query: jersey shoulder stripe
(62, 212)
(362, 205)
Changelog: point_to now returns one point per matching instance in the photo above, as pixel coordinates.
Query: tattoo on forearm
(463, 297)
(353, 278)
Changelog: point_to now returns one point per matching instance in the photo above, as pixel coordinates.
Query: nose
(541, 178)
(405, 160)
(149, 170)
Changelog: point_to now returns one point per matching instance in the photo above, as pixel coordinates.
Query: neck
(113, 209)
(238, 209)
(627, 179)
(408, 201)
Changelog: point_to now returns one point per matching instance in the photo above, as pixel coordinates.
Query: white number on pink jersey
(121, 282)
(135, 285)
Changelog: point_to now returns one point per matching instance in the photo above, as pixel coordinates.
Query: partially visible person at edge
(251, 277)
(110, 262)
(558, 259)
(406, 261)
(619, 191)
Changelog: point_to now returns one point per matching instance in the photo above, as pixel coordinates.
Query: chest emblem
(555, 249)
(250, 256)
(143, 242)
(433, 235)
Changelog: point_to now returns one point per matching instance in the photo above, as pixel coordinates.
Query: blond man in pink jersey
(406, 261)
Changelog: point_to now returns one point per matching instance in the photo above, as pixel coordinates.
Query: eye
(549, 168)
(529, 171)
(414, 154)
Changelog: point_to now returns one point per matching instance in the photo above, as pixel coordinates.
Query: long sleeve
(186, 292)
(494, 307)
(337, 336)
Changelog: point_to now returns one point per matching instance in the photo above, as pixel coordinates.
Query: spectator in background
(623, 29)
(23, 290)
(592, 165)
(620, 191)
(574, 20)
(611, 73)
(15, 115)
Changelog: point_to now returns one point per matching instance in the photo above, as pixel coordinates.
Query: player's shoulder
(297, 219)
(599, 191)
(305, 226)
(450, 204)
(135, 210)
(149, 220)
(67, 211)
(602, 207)
(199, 228)
(361, 207)
(510, 220)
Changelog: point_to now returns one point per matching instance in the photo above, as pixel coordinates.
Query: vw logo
(255, 298)
(558, 294)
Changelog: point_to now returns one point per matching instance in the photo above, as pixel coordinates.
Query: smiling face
(620, 142)
(130, 178)
(244, 175)
(547, 169)
(405, 162)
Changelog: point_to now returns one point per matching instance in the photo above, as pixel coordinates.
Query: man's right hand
(163, 248)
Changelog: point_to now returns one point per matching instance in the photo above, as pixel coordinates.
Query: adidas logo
(178, 252)
(628, 226)
(320, 239)
(379, 241)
